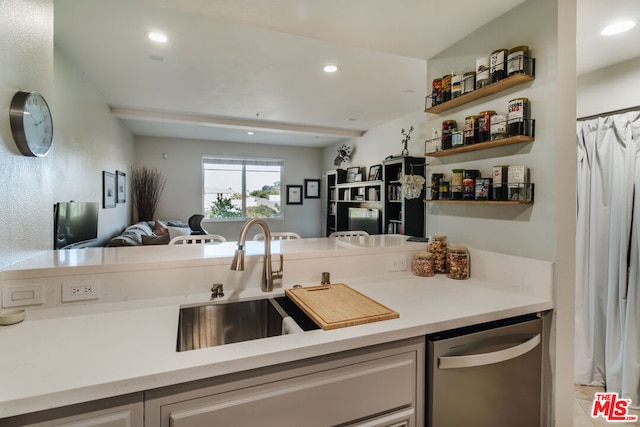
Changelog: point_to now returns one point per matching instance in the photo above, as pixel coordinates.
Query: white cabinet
(371, 387)
(121, 411)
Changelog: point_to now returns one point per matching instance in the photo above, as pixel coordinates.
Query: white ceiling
(235, 65)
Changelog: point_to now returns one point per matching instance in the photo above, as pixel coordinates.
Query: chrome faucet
(268, 275)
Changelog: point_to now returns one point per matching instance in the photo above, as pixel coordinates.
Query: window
(241, 188)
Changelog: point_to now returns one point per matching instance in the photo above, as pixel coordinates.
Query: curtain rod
(610, 113)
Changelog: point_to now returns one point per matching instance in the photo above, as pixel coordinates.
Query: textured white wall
(609, 89)
(26, 185)
(86, 138)
(182, 196)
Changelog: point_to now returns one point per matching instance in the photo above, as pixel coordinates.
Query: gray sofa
(150, 233)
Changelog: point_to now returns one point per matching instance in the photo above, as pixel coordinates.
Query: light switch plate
(17, 296)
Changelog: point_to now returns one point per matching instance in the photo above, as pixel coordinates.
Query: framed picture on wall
(108, 190)
(294, 194)
(311, 188)
(121, 185)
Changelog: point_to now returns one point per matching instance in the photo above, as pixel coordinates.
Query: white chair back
(197, 239)
(348, 233)
(279, 235)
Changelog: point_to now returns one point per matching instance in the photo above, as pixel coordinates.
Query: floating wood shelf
(493, 88)
(482, 202)
(481, 146)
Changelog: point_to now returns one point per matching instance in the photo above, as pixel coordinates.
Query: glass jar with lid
(423, 264)
(438, 247)
(458, 262)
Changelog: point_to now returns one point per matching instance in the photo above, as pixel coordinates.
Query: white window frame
(245, 161)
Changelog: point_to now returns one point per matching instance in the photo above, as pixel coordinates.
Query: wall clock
(31, 123)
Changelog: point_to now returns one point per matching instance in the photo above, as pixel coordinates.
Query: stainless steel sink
(215, 324)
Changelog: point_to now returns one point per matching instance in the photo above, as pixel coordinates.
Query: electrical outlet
(398, 263)
(80, 290)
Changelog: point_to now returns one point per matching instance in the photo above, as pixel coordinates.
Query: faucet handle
(278, 274)
(217, 290)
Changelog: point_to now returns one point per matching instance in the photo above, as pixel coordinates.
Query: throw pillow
(179, 231)
(156, 240)
(160, 229)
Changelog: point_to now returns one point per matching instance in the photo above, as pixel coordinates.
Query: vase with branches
(147, 185)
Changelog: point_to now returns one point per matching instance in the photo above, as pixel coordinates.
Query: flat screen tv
(75, 224)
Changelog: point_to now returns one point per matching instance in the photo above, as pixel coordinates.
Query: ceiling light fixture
(330, 68)
(157, 37)
(251, 133)
(618, 27)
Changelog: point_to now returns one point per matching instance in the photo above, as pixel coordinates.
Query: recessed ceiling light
(251, 133)
(618, 27)
(157, 37)
(330, 68)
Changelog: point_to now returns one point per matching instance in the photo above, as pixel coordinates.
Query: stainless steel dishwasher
(488, 375)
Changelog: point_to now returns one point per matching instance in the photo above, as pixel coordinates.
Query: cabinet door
(336, 396)
(122, 411)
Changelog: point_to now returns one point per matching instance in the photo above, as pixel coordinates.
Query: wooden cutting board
(338, 305)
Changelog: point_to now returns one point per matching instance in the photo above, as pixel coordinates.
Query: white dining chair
(197, 239)
(279, 235)
(348, 233)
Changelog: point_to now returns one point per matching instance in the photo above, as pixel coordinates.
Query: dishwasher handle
(454, 362)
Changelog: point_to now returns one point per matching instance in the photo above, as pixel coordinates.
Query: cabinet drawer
(323, 398)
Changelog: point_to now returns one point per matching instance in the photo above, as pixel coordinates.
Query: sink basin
(215, 324)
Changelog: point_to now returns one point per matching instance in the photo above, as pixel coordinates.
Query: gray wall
(182, 196)
(609, 89)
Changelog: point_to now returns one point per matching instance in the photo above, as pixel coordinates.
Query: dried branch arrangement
(147, 185)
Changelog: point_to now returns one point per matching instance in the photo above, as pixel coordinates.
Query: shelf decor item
(412, 186)
(344, 154)
(374, 172)
(147, 185)
(405, 140)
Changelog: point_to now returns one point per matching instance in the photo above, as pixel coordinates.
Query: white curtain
(607, 277)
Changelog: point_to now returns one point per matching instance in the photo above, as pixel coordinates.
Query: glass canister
(456, 84)
(498, 69)
(423, 264)
(438, 247)
(447, 129)
(482, 71)
(483, 188)
(457, 139)
(484, 125)
(443, 191)
(456, 184)
(469, 184)
(519, 117)
(468, 82)
(458, 262)
(518, 60)
(435, 185)
(436, 92)
(471, 130)
(499, 126)
(446, 87)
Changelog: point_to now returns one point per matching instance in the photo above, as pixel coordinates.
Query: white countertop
(75, 354)
(135, 258)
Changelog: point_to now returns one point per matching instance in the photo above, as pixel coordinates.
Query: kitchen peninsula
(123, 345)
